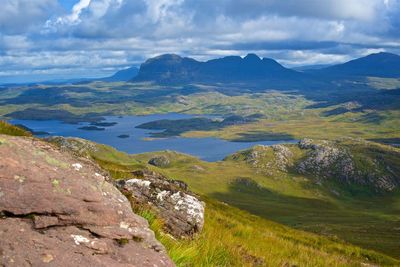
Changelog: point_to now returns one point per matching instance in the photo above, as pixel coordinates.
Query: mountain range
(171, 69)
(174, 69)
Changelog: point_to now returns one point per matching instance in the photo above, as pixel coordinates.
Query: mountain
(174, 69)
(382, 64)
(122, 75)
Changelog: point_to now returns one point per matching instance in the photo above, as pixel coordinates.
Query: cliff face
(62, 211)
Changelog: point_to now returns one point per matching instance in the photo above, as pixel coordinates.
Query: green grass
(370, 221)
(232, 237)
(8, 129)
(312, 125)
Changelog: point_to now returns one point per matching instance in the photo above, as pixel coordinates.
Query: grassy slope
(232, 237)
(8, 129)
(289, 200)
(368, 221)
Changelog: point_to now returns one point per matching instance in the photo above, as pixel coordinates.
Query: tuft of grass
(8, 129)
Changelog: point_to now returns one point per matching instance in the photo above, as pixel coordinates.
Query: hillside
(122, 75)
(260, 181)
(231, 237)
(382, 64)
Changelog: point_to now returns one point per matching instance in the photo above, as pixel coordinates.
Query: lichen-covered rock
(306, 143)
(58, 210)
(159, 161)
(266, 159)
(75, 145)
(325, 160)
(283, 157)
(181, 210)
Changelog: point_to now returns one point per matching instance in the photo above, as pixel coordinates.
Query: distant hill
(171, 68)
(382, 64)
(122, 75)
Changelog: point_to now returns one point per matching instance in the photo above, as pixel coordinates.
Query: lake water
(209, 149)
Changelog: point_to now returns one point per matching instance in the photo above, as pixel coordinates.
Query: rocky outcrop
(267, 159)
(345, 161)
(283, 157)
(181, 211)
(77, 146)
(352, 161)
(58, 210)
(160, 161)
(324, 159)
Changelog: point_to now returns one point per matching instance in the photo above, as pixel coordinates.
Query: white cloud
(77, 9)
(23, 16)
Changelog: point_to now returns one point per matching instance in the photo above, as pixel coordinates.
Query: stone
(181, 210)
(160, 161)
(66, 212)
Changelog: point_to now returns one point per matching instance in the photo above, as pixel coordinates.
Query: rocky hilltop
(60, 210)
(347, 162)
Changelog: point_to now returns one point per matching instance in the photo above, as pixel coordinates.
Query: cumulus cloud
(103, 35)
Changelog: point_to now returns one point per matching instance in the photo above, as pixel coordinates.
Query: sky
(63, 39)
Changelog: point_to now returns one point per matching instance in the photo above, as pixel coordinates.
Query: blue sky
(55, 39)
(68, 4)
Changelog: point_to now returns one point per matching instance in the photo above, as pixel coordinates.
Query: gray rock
(283, 157)
(160, 161)
(181, 210)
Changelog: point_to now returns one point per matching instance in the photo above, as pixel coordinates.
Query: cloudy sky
(53, 39)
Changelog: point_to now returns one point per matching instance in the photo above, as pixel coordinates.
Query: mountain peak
(165, 57)
(252, 57)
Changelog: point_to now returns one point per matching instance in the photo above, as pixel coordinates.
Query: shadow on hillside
(367, 98)
(248, 195)
(255, 136)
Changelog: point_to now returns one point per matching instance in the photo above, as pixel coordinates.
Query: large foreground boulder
(59, 210)
(181, 211)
